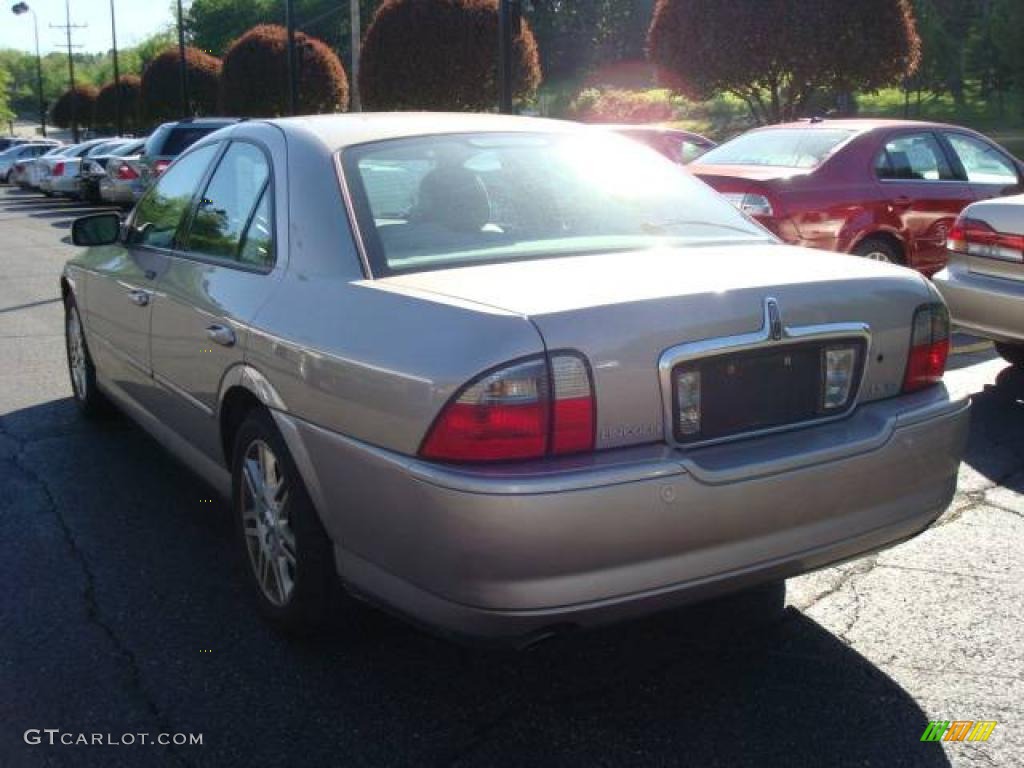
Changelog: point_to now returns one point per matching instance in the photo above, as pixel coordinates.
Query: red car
(675, 144)
(885, 189)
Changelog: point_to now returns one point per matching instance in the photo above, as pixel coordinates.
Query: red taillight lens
(512, 413)
(976, 238)
(572, 430)
(929, 347)
(58, 169)
(126, 173)
(160, 166)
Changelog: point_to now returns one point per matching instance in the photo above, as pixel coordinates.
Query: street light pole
(289, 21)
(117, 77)
(185, 111)
(20, 8)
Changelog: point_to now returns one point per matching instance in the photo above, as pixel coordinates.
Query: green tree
(777, 54)
(6, 113)
(212, 25)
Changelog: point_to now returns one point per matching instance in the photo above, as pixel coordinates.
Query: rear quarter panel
(350, 355)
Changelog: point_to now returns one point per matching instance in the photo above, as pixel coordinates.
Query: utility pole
(510, 14)
(72, 98)
(289, 22)
(118, 120)
(357, 40)
(185, 111)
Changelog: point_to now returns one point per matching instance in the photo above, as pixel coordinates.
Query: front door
(122, 289)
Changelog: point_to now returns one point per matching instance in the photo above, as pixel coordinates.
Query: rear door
(220, 274)
(989, 170)
(924, 191)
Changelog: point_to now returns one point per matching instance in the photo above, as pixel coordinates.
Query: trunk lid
(624, 310)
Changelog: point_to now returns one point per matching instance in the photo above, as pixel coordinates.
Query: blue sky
(136, 19)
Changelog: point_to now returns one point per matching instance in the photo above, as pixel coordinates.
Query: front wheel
(289, 555)
(1011, 353)
(90, 401)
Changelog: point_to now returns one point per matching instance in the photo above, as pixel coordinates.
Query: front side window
(983, 163)
(780, 147)
(442, 201)
(159, 213)
(913, 157)
(227, 204)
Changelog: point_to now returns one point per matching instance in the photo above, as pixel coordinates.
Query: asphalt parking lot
(123, 613)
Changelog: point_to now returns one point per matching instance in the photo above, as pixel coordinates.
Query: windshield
(450, 200)
(782, 147)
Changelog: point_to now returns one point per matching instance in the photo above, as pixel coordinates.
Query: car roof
(859, 124)
(339, 131)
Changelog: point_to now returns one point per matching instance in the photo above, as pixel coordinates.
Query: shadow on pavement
(995, 447)
(123, 552)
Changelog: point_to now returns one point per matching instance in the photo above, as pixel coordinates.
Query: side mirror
(98, 229)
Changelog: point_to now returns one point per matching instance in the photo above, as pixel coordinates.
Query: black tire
(90, 400)
(1011, 353)
(314, 578)
(879, 249)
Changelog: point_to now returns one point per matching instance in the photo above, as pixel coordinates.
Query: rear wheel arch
(236, 404)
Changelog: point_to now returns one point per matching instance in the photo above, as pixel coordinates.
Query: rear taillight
(126, 173)
(977, 238)
(534, 408)
(160, 166)
(751, 203)
(58, 169)
(929, 347)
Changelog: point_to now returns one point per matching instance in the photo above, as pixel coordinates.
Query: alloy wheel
(269, 538)
(76, 355)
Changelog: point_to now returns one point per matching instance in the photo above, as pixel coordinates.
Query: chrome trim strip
(763, 338)
(350, 211)
(172, 387)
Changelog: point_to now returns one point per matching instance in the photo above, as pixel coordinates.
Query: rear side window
(160, 211)
(913, 157)
(983, 163)
(226, 208)
(780, 147)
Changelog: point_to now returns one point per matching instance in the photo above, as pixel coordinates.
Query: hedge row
(417, 54)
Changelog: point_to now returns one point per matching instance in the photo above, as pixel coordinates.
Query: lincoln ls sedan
(454, 366)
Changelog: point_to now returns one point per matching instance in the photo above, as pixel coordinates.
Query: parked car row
(112, 170)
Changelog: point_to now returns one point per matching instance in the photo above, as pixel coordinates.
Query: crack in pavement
(92, 609)
(860, 568)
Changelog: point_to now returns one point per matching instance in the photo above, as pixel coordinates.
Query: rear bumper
(517, 552)
(989, 306)
(64, 185)
(117, 192)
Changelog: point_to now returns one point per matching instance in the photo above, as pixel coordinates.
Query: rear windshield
(128, 149)
(782, 147)
(452, 200)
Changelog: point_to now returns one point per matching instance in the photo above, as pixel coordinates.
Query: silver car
(20, 153)
(984, 281)
(508, 377)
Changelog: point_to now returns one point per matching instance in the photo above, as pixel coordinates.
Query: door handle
(902, 202)
(221, 334)
(139, 297)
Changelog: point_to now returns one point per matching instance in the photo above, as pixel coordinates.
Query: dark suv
(171, 139)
